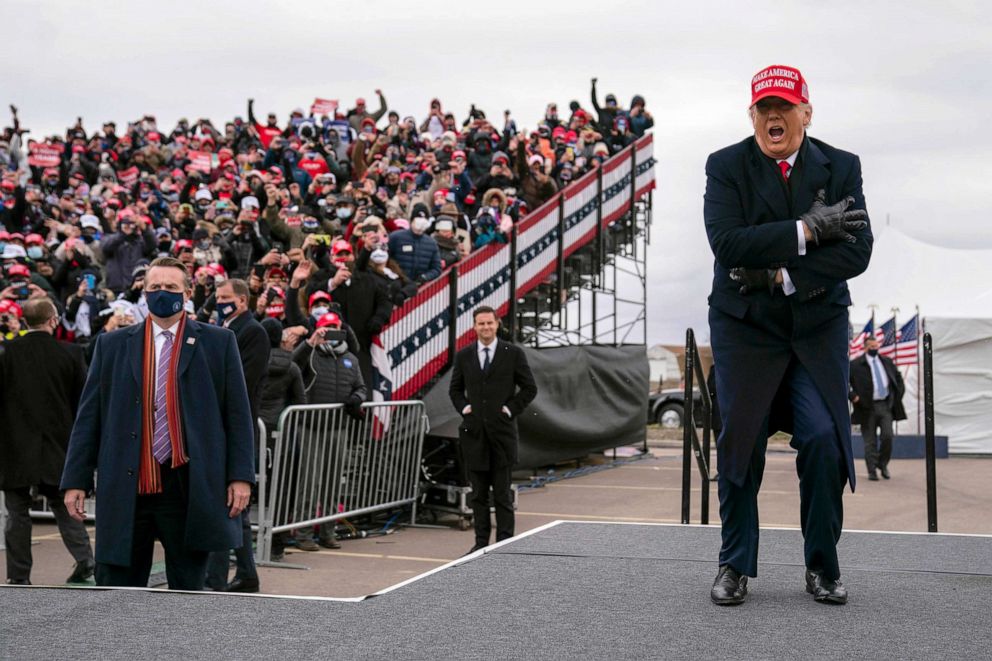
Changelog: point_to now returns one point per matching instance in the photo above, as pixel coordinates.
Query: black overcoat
(750, 215)
(487, 434)
(217, 426)
(41, 380)
(863, 385)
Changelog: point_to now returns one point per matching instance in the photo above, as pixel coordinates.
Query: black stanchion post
(561, 255)
(452, 314)
(928, 417)
(704, 498)
(512, 312)
(690, 346)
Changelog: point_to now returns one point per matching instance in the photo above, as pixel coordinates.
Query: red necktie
(784, 167)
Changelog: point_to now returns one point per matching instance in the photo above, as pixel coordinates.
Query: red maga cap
(781, 81)
(329, 319)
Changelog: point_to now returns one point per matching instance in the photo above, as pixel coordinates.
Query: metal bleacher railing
(429, 328)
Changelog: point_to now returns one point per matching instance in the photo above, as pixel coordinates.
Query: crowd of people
(371, 203)
(299, 236)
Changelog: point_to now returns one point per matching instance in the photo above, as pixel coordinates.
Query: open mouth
(776, 133)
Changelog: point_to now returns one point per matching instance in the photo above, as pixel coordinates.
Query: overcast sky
(906, 85)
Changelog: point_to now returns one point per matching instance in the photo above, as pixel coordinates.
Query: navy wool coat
(217, 424)
(750, 215)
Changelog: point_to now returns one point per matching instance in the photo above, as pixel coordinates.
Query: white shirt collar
(158, 330)
(791, 160)
(488, 346)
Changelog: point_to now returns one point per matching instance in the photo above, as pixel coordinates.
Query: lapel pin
(190, 340)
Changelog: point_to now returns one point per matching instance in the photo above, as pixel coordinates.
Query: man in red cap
(360, 112)
(785, 217)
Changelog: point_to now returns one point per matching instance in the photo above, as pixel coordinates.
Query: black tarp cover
(590, 398)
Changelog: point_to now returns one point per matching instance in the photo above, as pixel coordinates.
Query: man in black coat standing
(786, 221)
(491, 385)
(876, 392)
(41, 380)
(253, 347)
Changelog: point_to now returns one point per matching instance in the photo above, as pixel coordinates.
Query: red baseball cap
(34, 239)
(329, 319)
(340, 246)
(19, 269)
(318, 296)
(7, 306)
(781, 81)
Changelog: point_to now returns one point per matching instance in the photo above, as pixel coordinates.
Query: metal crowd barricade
(329, 466)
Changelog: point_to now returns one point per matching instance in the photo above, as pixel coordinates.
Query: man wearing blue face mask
(253, 347)
(165, 419)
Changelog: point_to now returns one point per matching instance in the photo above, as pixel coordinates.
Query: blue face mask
(35, 252)
(224, 311)
(163, 303)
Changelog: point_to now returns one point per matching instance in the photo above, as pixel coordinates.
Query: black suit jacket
(41, 380)
(863, 385)
(254, 348)
(487, 435)
(750, 214)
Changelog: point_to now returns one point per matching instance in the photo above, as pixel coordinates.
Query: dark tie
(485, 363)
(785, 167)
(161, 441)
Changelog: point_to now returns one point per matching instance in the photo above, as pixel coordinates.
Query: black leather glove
(834, 222)
(353, 407)
(753, 279)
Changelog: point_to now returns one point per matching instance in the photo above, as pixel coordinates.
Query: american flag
(906, 345)
(858, 341)
(382, 388)
(886, 335)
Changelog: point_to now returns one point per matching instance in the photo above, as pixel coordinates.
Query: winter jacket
(123, 252)
(329, 378)
(283, 387)
(417, 255)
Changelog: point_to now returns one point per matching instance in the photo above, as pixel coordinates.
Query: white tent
(953, 290)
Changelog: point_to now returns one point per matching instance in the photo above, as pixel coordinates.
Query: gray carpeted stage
(566, 591)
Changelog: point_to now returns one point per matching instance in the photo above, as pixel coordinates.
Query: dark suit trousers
(497, 478)
(160, 516)
(17, 532)
(820, 464)
(244, 558)
(879, 420)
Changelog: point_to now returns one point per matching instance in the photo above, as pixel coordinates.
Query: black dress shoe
(242, 585)
(824, 590)
(729, 588)
(885, 471)
(81, 572)
(477, 547)
(18, 581)
(873, 476)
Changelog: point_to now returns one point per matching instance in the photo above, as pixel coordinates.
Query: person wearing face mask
(389, 275)
(876, 393)
(34, 246)
(416, 252)
(164, 418)
(363, 303)
(331, 375)
(319, 303)
(132, 242)
(253, 349)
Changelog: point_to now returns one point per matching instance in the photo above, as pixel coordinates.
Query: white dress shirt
(787, 287)
(482, 353)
